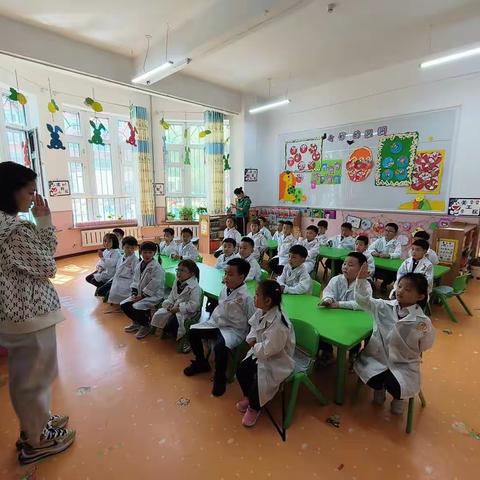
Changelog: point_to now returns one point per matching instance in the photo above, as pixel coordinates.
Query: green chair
(264, 275)
(199, 259)
(170, 279)
(182, 345)
(316, 288)
(444, 292)
(237, 355)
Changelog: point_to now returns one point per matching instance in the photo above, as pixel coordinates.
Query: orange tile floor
(131, 423)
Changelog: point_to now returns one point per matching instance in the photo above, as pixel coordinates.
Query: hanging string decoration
(226, 162)
(97, 133)
(52, 106)
(16, 96)
(165, 125)
(132, 139)
(55, 140)
(93, 104)
(204, 133)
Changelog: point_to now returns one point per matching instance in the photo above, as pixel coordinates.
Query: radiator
(178, 229)
(94, 238)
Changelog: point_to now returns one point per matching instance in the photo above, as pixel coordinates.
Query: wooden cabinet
(456, 245)
(210, 232)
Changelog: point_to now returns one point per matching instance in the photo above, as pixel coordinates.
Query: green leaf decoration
(226, 164)
(89, 101)
(164, 124)
(186, 157)
(13, 94)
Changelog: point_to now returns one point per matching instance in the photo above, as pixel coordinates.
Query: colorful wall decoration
(250, 175)
(469, 207)
(330, 173)
(303, 155)
(288, 192)
(360, 164)
(427, 172)
(396, 154)
(55, 141)
(59, 188)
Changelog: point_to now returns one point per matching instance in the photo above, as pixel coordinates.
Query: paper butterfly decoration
(55, 141)
(93, 104)
(132, 140)
(97, 133)
(17, 96)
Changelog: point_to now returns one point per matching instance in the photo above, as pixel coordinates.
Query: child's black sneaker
(196, 367)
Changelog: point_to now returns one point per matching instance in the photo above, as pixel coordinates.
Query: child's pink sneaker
(242, 405)
(250, 418)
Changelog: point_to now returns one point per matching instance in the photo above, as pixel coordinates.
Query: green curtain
(214, 149)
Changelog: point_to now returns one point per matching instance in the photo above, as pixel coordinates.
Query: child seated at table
(361, 246)
(182, 304)
(226, 328)
(344, 240)
(264, 228)
(147, 291)
(229, 246)
(245, 251)
(229, 232)
(322, 232)
(391, 360)
(279, 232)
(295, 278)
(312, 244)
(431, 254)
(270, 358)
(168, 247)
(186, 250)
(286, 241)
(339, 293)
(417, 263)
(259, 240)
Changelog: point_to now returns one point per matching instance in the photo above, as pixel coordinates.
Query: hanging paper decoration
(204, 133)
(330, 173)
(396, 154)
(93, 104)
(55, 141)
(97, 133)
(427, 172)
(132, 139)
(52, 106)
(226, 164)
(17, 96)
(186, 156)
(301, 155)
(360, 164)
(164, 124)
(288, 192)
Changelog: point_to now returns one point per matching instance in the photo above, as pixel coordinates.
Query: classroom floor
(138, 416)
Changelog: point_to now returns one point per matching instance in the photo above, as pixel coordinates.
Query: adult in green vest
(242, 209)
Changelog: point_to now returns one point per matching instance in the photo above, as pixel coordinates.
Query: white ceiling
(297, 48)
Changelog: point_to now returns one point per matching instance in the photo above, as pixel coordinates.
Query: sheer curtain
(214, 149)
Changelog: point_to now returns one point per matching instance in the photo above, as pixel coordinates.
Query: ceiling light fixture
(160, 72)
(269, 106)
(450, 58)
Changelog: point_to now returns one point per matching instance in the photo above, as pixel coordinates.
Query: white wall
(397, 90)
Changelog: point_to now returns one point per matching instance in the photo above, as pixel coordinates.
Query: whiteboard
(436, 133)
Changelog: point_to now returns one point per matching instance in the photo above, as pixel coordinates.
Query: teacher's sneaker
(250, 418)
(379, 396)
(396, 407)
(52, 441)
(55, 421)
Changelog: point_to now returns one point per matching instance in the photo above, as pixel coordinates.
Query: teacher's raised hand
(40, 206)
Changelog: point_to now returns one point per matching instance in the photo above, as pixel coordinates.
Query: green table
(393, 264)
(168, 262)
(339, 327)
(333, 254)
(271, 246)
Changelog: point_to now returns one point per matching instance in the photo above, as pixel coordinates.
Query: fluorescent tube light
(450, 58)
(160, 72)
(269, 106)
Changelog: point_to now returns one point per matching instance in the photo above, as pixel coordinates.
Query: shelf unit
(210, 232)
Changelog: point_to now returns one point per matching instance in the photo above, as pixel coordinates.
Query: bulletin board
(397, 164)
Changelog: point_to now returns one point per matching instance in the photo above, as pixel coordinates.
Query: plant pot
(475, 271)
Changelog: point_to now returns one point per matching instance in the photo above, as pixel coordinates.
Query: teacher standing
(29, 310)
(242, 210)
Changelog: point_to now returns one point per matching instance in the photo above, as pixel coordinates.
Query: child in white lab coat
(431, 254)
(270, 358)
(107, 264)
(417, 263)
(361, 246)
(120, 288)
(279, 232)
(226, 328)
(119, 233)
(182, 304)
(312, 244)
(391, 360)
(322, 232)
(168, 247)
(147, 291)
(229, 246)
(229, 232)
(246, 252)
(264, 228)
(344, 240)
(260, 242)
(295, 278)
(286, 241)
(186, 249)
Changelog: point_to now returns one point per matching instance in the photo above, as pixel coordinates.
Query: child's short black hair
(422, 234)
(313, 228)
(299, 250)
(242, 266)
(169, 230)
(129, 240)
(231, 241)
(359, 256)
(148, 247)
(263, 219)
(187, 230)
(363, 238)
(191, 266)
(420, 283)
(271, 289)
(346, 225)
(323, 223)
(392, 225)
(249, 241)
(281, 222)
(113, 238)
(421, 243)
(288, 222)
(119, 231)
(255, 221)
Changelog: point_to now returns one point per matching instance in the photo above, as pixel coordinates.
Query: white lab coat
(189, 303)
(392, 247)
(396, 343)
(231, 315)
(313, 248)
(255, 272)
(431, 255)
(274, 350)
(187, 251)
(122, 281)
(339, 241)
(260, 244)
(107, 265)
(168, 250)
(424, 266)
(284, 245)
(232, 233)
(322, 239)
(150, 283)
(222, 260)
(297, 281)
(341, 292)
(277, 236)
(266, 233)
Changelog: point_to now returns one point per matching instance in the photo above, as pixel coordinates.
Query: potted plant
(186, 214)
(170, 216)
(475, 268)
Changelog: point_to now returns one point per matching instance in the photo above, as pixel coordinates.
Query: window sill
(105, 224)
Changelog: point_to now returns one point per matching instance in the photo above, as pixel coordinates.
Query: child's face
(346, 232)
(245, 249)
(107, 242)
(254, 228)
(148, 255)
(232, 278)
(228, 249)
(262, 302)
(186, 237)
(128, 250)
(310, 235)
(360, 246)
(183, 273)
(322, 230)
(417, 252)
(168, 237)
(406, 294)
(390, 233)
(280, 227)
(229, 223)
(350, 268)
(295, 260)
(287, 229)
